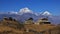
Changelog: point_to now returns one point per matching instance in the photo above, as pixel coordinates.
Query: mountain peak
(46, 13)
(25, 10)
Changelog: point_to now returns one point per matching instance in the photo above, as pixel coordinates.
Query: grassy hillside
(10, 26)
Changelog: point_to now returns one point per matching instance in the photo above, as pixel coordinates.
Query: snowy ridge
(46, 13)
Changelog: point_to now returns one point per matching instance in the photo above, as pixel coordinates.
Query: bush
(10, 18)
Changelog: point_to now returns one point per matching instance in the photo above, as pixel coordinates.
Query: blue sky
(53, 6)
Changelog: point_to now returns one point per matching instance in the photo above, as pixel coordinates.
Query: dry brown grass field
(14, 27)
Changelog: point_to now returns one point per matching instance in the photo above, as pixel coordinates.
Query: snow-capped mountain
(26, 13)
(46, 13)
(25, 10)
(21, 12)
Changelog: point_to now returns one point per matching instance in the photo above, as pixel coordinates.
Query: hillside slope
(11, 26)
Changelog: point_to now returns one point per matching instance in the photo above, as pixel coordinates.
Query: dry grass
(39, 27)
(12, 27)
